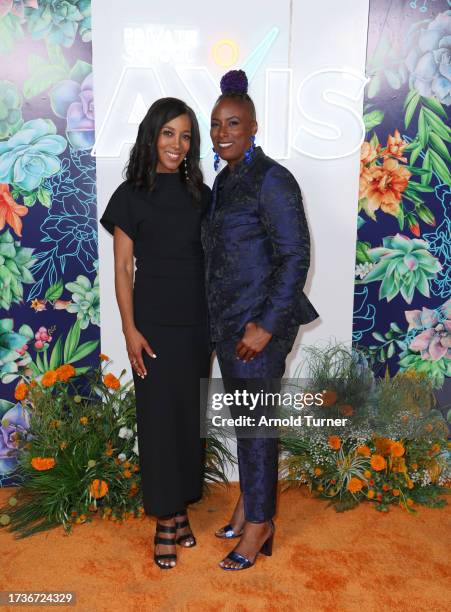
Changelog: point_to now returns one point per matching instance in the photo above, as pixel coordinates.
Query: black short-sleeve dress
(170, 311)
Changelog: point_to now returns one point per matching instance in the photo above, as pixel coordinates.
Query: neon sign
(319, 121)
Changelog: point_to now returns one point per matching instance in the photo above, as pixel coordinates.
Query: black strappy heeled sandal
(189, 536)
(168, 541)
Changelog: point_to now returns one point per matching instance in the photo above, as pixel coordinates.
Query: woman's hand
(253, 342)
(136, 343)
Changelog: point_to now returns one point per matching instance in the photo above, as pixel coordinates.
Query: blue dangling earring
(248, 154)
(216, 159)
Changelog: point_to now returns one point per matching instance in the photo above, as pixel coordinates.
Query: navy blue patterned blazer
(257, 249)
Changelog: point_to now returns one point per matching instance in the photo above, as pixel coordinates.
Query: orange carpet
(322, 561)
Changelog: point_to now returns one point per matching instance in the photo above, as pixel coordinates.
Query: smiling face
(173, 143)
(232, 126)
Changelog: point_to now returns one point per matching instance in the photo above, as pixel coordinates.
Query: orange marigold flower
(49, 378)
(435, 448)
(320, 488)
(355, 485)
(110, 381)
(367, 474)
(318, 471)
(383, 446)
(329, 398)
(386, 185)
(334, 442)
(364, 450)
(98, 488)
(414, 466)
(385, 487)
(63, 445)
(127, 474)
(397, 449)
(378, 463)
(410, 501)
(371, 494)
(84, 420)
(396, 492)
(21, 392)
(103, 357)
(65, 372)
(346, 410)
(43, 463)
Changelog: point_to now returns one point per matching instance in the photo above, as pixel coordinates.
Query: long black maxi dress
(170, 311)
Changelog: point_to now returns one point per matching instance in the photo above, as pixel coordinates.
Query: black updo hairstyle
(141, 170)
(234, 85)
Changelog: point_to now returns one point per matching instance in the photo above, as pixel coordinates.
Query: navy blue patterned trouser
(258, 456)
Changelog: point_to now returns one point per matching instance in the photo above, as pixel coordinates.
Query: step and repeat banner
(351, 96)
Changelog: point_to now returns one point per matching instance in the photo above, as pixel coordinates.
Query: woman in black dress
(155, 216)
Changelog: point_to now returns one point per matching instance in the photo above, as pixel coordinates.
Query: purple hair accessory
(234, 81)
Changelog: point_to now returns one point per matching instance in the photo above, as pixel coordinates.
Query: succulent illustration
(13, 349)
(402, 265)
(31, 155)
(15, 264)
(10, 109)
(428, 57)
(85, 300)
(59, 20)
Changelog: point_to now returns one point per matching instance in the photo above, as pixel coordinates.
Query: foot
(165, 551)
(237, 521)
(253, 538)
(184, 535)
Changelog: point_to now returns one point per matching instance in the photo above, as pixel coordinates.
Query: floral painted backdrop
(49, 297)
(402, 304)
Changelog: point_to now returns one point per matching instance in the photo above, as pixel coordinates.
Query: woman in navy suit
(257, 249)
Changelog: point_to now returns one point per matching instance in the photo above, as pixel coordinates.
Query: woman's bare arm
(123, 280)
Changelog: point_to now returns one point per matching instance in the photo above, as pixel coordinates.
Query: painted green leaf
(80, 71)
(378, 336)
(39, 363)
(426, 178)
(422, 129)
(434, 105)
(436, 124)
(84, 350)
(410, 110)
(391, 350)
(371, 120)
(30, 199)
(57, 353)
(425, 214)
(400, 217)
(43, 78)
(374, 86)
(55, 291)
(415, 152)
(412, 94)
(56, 56)
(72, 340)
(44, 196)
(439, 146)
(440, 167)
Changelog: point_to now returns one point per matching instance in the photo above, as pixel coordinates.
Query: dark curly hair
(141, 169)
(234, 85)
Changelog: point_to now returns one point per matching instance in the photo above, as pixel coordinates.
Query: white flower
(125, 433)
(362, 270)
(122, 457)
(135, 447)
